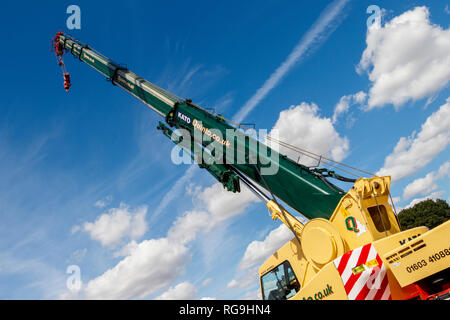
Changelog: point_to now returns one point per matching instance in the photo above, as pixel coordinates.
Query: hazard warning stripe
(352, 261)
(366, 293)
(350, 283)
(370, 281)
(343, 262)
(360, 282)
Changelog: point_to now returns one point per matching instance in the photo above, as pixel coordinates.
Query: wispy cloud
(173, 192)
(42, 280)
(319, 31)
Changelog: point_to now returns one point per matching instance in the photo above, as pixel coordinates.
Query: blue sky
(86, 179)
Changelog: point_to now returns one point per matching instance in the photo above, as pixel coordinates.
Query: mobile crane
(352, 247)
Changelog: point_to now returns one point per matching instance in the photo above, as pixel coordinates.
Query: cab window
(280, 283)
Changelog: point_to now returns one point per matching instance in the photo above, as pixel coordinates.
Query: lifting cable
(320, 157)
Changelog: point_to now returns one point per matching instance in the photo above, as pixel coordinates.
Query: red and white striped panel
(371, 282)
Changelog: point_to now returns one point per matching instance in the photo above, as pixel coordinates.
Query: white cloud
(182, 291)
(420, 186)
(208, 298)
(444, 170)
(406, 59)
(396, 199)
(258, 251)
(214, 205)
(206, 282)
(110, 228)
(232, 284)
(303, 127)
(426, 184)
(222, 204)
(75, 229)
(346, 102)
(247, 279)
(433, 196)
(126, 250)
(152, 265)
(186, 227)
(322, 27)
(415, 152)
(103, 202)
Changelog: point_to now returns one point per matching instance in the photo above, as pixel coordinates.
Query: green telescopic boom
(222, 144)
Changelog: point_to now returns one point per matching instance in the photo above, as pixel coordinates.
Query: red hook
(58, 48)
(67, 83)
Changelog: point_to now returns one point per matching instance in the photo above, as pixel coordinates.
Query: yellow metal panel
(326, 285)
(396, 240)
(418, 259)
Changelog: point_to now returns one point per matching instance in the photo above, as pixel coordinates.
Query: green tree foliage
(427, 213)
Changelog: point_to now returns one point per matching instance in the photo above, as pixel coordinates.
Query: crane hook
(58, 48)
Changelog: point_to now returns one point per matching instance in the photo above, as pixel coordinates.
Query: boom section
(154, 97)
(305, 190)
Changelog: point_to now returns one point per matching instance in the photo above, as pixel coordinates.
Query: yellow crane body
(360, 253)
